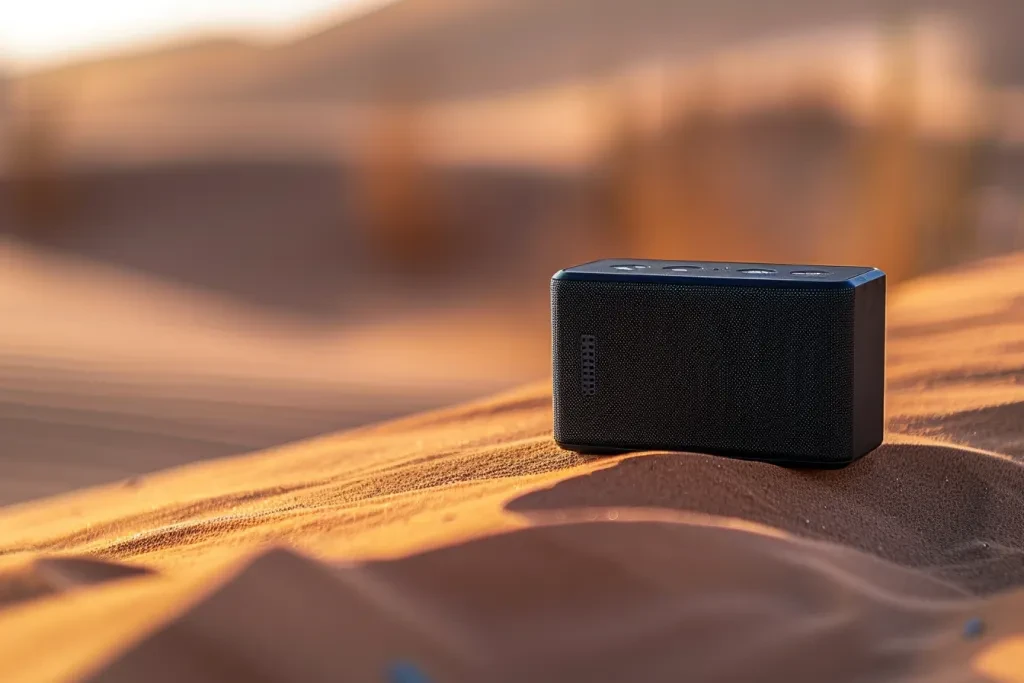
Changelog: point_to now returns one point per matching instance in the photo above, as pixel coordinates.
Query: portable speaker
(771, 362)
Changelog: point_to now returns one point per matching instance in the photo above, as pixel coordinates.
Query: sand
(109, 372)
(463, 545)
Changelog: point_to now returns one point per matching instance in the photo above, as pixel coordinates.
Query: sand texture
(463, 545)
(107, 373)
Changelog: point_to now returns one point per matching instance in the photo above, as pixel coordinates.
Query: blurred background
(227, 225)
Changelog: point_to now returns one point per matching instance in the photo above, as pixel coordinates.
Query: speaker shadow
(957, 514)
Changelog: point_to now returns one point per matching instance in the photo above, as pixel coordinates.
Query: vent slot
(588, 363)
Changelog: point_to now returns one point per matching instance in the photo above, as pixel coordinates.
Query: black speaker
(764, 361)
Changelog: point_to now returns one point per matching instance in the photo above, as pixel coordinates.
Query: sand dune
(49, 575)
(431, 50)
(498, 82)
(505, 609)
(462, 545)
(107, 374)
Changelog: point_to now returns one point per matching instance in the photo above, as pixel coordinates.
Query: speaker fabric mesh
(753, 371)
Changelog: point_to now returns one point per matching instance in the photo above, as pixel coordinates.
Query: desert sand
(109, 372)
(463, 545)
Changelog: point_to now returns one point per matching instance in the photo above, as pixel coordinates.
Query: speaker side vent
(588, 356)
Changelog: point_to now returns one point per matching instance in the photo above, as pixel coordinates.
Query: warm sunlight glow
(53, 30)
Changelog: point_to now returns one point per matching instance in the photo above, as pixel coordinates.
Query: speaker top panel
(715, 273)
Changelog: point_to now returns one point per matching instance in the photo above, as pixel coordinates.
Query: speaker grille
(588, 362)
(752, 370)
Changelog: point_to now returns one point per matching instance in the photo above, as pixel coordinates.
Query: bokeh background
(228, 225)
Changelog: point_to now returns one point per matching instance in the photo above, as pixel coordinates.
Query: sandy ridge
(483, 552)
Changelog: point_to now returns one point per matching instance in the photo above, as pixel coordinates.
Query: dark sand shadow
(612, 601)
(954, 513)
(51, 575)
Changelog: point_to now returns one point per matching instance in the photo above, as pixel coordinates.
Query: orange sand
(464, 543)
(107, 374)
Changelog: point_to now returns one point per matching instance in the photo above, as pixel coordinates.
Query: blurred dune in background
(220, 244)
(106, 375)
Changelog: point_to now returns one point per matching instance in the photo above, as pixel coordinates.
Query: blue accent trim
(865, 278)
